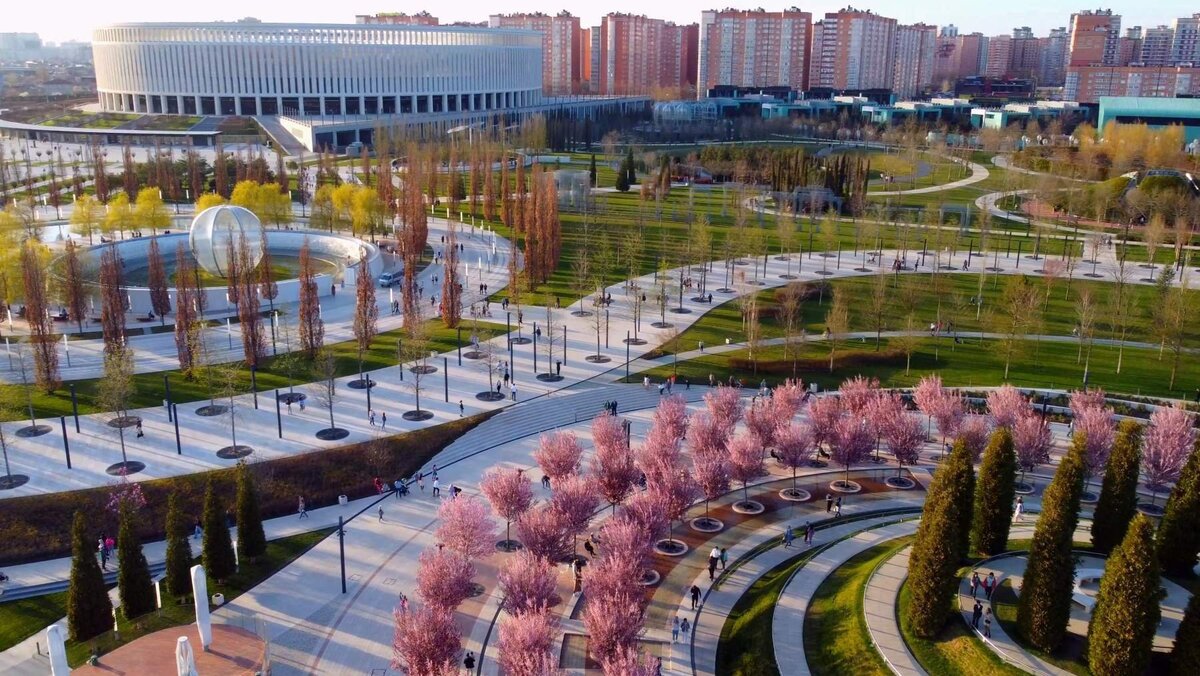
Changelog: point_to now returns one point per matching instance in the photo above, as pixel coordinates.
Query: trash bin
(218, 599)
(343, 500)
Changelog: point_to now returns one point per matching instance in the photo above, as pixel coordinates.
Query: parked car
(389, 279)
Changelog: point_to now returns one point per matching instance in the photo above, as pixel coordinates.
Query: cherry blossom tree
(576, 499)
(645, 509)
(929, 395)
(881, 412)
(710, 462)
(1085, 399)
(426, 642)
(466, 527)
(633, 663)
(724, 404)
(1166, 445)
(905, 435)
(974, 432)
(444, 578)
(794, 443)
(546, 532)
(762, 419)
(613, 614)
(1031, 440)
(746, 463)
(824, 413)
(626, 540)
(612, 463)
(510, 494)
(943, 407)
(558, 455)
(671, 415)
(671, 485)
(528, 584)
(788, 398)
(526, 645)
(852, 443)
(857, 394)
(1099, 430)
(1005, 404)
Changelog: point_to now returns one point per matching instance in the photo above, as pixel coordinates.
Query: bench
(1077, 595)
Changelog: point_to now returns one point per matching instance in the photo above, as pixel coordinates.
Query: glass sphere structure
(216, 233)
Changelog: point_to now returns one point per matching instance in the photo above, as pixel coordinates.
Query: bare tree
(837, 322)
(366, 314)
(113, 299)
(312, 327)
(37, 313)
(249, 316)
(324, 392)
(415, 350)
(451, 300)
(116, 389)
(878, 306)
(73, 285)
(908, 341)
(1085, 313)
(1017, 312)
(187, 309)
(156, 281)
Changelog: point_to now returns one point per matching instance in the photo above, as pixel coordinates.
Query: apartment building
(754, 49)
(561, 47)
(853, 49)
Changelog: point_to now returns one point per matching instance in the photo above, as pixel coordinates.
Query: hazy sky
(75, 19)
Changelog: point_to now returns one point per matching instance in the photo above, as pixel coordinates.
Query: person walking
(103, 553)
(787, 537)
(714, 557)
(811, 532)
(469, 661)
(303, 508)
(140, 433)
(837, 506)
(383, 420)
(695, 593)
(381, 514)
(437, 488)
(421, 481)
(1019, 510)
(514, 392)
(976, 613)
(989, 585)
(684, 627)
(724, 557)
(461, 408)
(371, 418)
(987, 623)
(674, 629)
(828, 503)
(546, 481)
(974, 584)
(589, 548)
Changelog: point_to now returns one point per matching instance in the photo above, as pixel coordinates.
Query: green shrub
(995, 495)
(89, 611)
(1118, 492)
(1179, 532)
(217, 547)
(134, 585)
(1121, 633)
(179, 551)
(252, 542)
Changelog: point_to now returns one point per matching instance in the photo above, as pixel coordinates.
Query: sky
(75, 19)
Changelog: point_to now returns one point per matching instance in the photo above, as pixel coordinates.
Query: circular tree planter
(508, 546)
(332, 434)
(862, 269)
(724, 289)
(818, 464)
(844, 486)
(1089, 497)
(900, 483)
(360, 384)
(473, 354)
(741, 262)
(825, 273)
(1150, 510)
(125, 421)
(423, 369)
(1092, 275)
(490, 395)
(634, 341)
(11, 481)
(597, 359)
(476, 589)
(30, 431)
(681, 311)
(125, 468)
(292, 397)
(234, 452)
(992, 268)
(580, 313)
(521, 340)
(549, 377)
(795, 495)
(212, 410)
(748, 507)
(783, 258)
(417, 415)
(1025, 488)
(706, 524)
(662, 325)
(669, 547)
(649, 578)
(789, 276)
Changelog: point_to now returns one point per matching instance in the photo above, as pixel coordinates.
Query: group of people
(382, 418)
(789, 534)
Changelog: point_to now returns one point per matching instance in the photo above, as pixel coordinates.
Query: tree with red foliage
(794, 443)
(186, 311)
(905, 435)
(1166, 445)
(558, 455)
(546, 532)
(426, 642)
(612, 461)
(710, 461)
(528, 584)
(156, 281)
(527, 644)
(510, 494)
(366, 314)
(852, 443)
(724, 404)
(444, 578)
(746, 463)
(253, 345)
(466, 527)
(1005, 404)
(114, 303)
(1031, 441)
(1094, 421)
(451, 300)
(312, 327)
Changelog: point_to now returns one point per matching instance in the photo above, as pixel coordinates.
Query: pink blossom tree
(794, 444)
(1085, 399)
(941, 406)
(466, 527)
(672, 416)
(973, 432)
(1031, 441)
(614, 612)
(857, 394)
(724, 404)
(545, 532)
(526, 645)
(1166, 445)
(558, 455)
(710, 462)
(1005, 404)
(426, 642)
(929, 396)
(612, 461)
(646, 510)
(824, 413)
(881, 413)
(528, 584)
(905, 435)
(510, 494)
(1099, 431)
(671, 485)
(576, 499)
(746, 465)
(626, 540)
(788, 399)
(762, 419)
(852, 443)
(444, 578)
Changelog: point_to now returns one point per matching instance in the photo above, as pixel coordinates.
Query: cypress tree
(933, 565)
(630, 169)
(622, 178)
(1121, 633)
(1185, 657)
(179, 551)
(592, 170)
(1045, 604)
(217, 549)
(252, 542)
(89, 611)
(1118, 492)
(994, 498)
(134, 585)
(1179, 531)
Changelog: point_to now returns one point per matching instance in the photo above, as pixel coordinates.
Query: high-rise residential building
(1185, 40)
(1155, 47)
(1095, 38)
(561, 35)
(1025, 57)
(1022, 33)
(1053, 57)
(754, 49)
(590, 58)
(853, 49)
(915, 47)
(999, 54)
(1129, 48)
(640, 55)
(949, 31)
(398, 19)
(958, 57)
(1086, 84)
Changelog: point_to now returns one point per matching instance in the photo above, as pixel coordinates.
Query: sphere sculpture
(215, 235)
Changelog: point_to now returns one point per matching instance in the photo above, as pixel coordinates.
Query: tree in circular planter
(746, 465)
(576, 499)
(793, 445)
(445, 578)
(612, 461)
(526, 643)
(1006, 405)
(905, 435)
(510, 494)
(558, 455)
(1031, 440)
(465, 527)
(529, 584)
(852, 443)
(710, 464)
(545, 532)
(1167, 443)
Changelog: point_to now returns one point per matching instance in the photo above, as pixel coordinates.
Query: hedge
(33, 528)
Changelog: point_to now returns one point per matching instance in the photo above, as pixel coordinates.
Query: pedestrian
(140, 433)
(514, 392)
(811, 532)
(103, 554)
(302, 406)
(989, 585)
(437, 487)
(712, 566)
(196, 529)
(381, 515)
(837, 507)
(987, 623)
(1019, 510)
(695, 592)
(787, 537)
(589, 548)
(976, 613)
(421, 481)
(701, 345)
(674, 629)
(461, 408)
(403, 603)
(383, 420)
(724, 557)
(645, 382)
(974, 584)
(684, 627)
(371, 417)
(469, 661)
(828, 503)
(546, 481)
(303, 508)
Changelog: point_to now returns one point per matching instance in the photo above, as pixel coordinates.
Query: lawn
(836, 640)
(272, 375)
(956, 652)
(26, 617)
(1071, 656)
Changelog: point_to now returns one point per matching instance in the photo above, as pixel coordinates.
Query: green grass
(836, 640)
(746, 648)
(1072, 656)
(21, 619)
(957, 651)
(151, 392)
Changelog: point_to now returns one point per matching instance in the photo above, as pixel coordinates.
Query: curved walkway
(879, 606)
(1003, 162)
(978, 173)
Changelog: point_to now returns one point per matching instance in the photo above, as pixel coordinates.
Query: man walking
(437, 487)
(974, 584)
(381, 514)
(714, 557)
(811, 533)
(787, 537)
(828, 503)
(976, 613)
(724, 557)
(695, 597)
(303, 508)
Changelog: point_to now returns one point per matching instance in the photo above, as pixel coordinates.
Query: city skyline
(77, 24)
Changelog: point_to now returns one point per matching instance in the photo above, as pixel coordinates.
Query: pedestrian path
(879, 606)
(978, 173)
